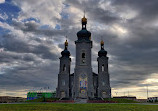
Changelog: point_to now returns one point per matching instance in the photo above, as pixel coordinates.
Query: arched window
(102, 68)
(83, 55)
(64, 68)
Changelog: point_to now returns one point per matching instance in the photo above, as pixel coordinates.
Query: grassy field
(77, 107)
(118, 100)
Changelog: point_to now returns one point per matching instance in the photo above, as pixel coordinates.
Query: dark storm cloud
(36, 29)
(139, 50)
(27, 64)
(14, 44)
(146, 8)
(95, 12)
(11, 43)
(36, 76)
(139, 53)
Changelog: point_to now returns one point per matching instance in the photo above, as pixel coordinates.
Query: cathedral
(83, 83)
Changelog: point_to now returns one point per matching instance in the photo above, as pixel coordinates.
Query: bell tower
(83, 78)
(104, 89)
(63, 89)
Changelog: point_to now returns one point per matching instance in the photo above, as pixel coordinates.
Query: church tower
(64, 73)
(83, 83)
(104, 89)
(83, 78)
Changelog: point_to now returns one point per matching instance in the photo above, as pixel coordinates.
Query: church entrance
(62, 94)
(104, 94)
(83, 86)
(83, 93)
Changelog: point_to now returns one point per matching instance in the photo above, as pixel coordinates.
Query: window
(102, 68)
(83, 55)
(63, 83)
(64, 68)
(103, 83)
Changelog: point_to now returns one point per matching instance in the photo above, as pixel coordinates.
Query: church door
(104, 94)
(62, 93)
(83, 86)
(83, 93)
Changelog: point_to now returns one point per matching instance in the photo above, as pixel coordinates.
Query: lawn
(119, 100)
(76, 107)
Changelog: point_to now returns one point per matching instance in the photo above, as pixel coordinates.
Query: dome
(102, 52)
(65, 53)
(83, 34)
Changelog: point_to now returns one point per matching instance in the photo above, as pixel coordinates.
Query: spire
(66, 43)
(102, 44)
(84, 21)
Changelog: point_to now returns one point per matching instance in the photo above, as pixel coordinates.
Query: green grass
(77, 107)
(118, 100)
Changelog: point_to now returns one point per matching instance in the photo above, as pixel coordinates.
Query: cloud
(24, 65)
(2, 1)
(48, 13)
(4, 16)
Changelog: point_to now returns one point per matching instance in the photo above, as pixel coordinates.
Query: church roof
(102, 52)
(65, 53)
(83, 34)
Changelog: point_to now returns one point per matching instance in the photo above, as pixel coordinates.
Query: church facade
(83, 83)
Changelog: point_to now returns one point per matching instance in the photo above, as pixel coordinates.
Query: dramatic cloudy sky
(32, 34)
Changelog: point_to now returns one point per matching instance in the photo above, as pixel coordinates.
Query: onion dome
(84, 33)
(65, 52)
(102, 52)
